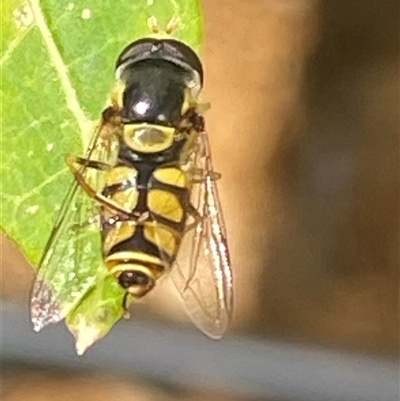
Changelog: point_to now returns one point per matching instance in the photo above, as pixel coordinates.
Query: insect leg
(126, 315)
(193, 212)
(93, 193)
(95, 164)
(200, 175)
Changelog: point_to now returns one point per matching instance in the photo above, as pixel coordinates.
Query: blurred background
(304, 129)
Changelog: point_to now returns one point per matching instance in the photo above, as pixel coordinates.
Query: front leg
(76, 168)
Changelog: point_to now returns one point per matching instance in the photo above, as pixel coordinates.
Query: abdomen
(157, 199)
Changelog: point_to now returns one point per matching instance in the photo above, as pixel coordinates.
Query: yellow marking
(127, 198)
(189, 101)
(132, 255)
(165, 204)
(120, 174)
(117, 93)
(117, 269)
(148, 138)
(172, 176)
(120, 232)
(161, 237)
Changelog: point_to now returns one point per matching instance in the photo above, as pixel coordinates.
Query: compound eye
(166, 49)
(129, 279)
(186, 54)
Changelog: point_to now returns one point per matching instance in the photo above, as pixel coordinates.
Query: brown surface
(24, 385)
(304, 129)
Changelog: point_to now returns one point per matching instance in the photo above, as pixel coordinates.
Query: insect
(145, 193)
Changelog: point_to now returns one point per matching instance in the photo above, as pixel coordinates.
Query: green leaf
(57, 60)
(97, 312)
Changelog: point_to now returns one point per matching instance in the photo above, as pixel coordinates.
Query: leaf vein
(73, 104)
(12, 46)
(19, 199)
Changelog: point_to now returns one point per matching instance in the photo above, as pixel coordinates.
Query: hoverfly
(147, 191)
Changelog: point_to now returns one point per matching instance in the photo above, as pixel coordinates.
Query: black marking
(154, 93)
(112, 189)
(180, 192)
(139, 243)
(178, 227)
(129, 278)
(141, 205)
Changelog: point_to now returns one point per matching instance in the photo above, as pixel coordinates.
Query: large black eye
(165, 49)
(184, 53)
(133, 278)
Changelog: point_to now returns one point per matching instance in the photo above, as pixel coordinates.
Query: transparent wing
(202, 272)
(72, 255)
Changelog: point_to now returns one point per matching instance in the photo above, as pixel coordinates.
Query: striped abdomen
(148, 243)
